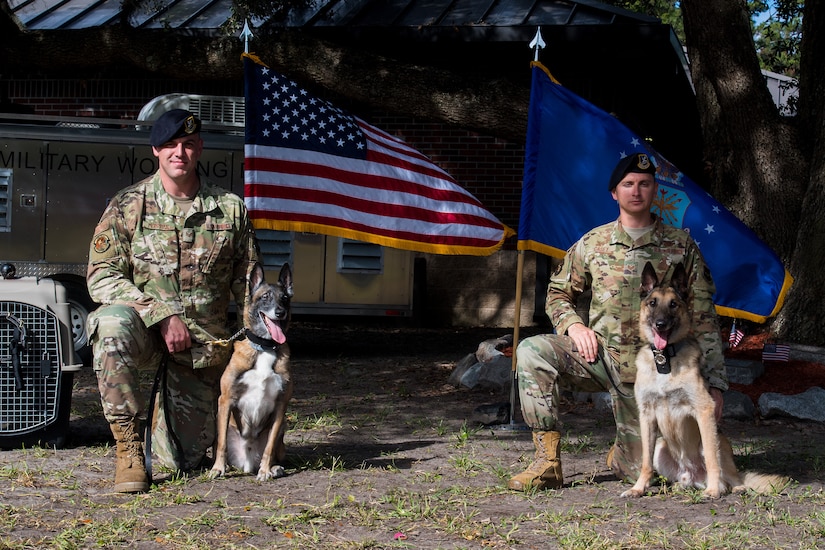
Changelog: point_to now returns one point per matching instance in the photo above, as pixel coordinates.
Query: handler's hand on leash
(175, 333)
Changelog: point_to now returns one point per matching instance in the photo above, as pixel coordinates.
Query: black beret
(639, 163)
(172, 125)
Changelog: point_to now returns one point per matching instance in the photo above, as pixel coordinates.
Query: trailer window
(5, 199)
(276, 248)
(360, 257)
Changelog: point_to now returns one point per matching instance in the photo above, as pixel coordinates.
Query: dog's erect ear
(679, 280)
(649, 279)
(256, 278)
(285, 279)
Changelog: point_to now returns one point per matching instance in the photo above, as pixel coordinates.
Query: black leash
(159, 384)
(607, 372)
(610, 377)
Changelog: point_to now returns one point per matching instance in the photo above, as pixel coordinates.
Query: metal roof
(209, 15)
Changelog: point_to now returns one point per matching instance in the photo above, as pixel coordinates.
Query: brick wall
(479, 291)
(487, 167)
(473, 290)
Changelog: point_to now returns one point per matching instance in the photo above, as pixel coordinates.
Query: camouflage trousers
(185, 410)
(547, 364)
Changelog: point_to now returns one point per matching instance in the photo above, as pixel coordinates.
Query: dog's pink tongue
(658, 341)
(274, 330)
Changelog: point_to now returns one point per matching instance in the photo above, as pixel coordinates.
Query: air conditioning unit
(211, 109)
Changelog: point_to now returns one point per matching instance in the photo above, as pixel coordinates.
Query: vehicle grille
(36, 404)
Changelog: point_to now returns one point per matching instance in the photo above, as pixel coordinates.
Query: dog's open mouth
(660, 338)
(274, 329)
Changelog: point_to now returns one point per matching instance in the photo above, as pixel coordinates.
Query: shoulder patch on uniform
(103, 246)
(706, 274)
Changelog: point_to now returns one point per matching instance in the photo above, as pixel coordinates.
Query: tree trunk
(771, 173)
(803, 317)
(755, 163)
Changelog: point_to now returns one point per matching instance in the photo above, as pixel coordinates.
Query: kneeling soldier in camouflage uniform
(165, 256)
(600, 356)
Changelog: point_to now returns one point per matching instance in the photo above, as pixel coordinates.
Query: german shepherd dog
(256, 386)
(675, 403)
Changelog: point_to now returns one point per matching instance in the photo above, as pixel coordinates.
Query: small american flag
(776, 352)
(311, 167)
(736, 335)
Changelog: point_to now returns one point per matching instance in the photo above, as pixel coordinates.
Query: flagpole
(536, 44)
(514, 373)
(516, 327)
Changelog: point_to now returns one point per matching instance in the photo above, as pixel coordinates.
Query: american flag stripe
(273, 166)
(354, 230)
(297, 199)
(274, 178)
(311, 167)
(290, 207)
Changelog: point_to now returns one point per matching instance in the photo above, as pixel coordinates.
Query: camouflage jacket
(150, 255)
(609, 264)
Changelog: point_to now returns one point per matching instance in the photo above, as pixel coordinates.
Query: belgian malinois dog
(256, 386)
(675, 403)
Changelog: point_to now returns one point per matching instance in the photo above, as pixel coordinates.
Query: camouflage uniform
(149, 260)
(607, 262)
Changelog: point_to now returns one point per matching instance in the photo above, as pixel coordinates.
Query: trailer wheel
(80, 305)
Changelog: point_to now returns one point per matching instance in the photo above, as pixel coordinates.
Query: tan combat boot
(545, 471)
(130, 470)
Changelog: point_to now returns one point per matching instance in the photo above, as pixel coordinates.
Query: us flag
(776, 352)
(736, 334)
(311, 167)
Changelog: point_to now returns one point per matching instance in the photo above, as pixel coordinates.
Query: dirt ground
(384, 453)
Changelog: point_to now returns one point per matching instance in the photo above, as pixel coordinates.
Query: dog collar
(262, 343)
(662, 357)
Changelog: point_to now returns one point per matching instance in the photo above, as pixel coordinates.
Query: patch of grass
(464, 435)
(441, 429)
(466, 465)
(576, 444)
(326, 419)
(333, 463)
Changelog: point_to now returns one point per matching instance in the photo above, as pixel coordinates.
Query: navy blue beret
(639, 163)
(172, 125)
